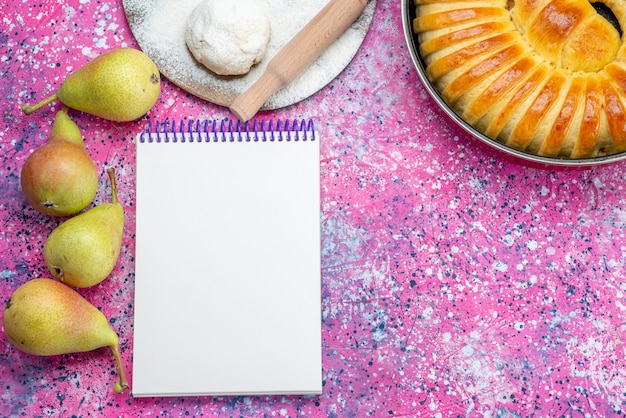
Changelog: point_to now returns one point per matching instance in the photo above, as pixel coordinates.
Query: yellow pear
(83, 250)
(59, 178)
(45, 318)
(119, 85)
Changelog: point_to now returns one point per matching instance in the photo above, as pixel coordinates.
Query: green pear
(59, 178)
(45, 318)
(83, 250)
(119, 85)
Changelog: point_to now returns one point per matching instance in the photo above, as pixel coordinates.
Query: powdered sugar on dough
(159, 27)
(228, 37)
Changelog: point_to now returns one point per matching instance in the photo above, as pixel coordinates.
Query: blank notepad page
(227, 284)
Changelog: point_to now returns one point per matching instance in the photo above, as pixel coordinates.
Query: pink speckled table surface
(454, 282)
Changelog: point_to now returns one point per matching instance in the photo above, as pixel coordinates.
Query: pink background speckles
(454, 282)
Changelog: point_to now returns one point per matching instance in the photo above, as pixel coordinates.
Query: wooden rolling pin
(333, 20)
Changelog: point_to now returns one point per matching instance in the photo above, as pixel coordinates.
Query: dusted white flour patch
(159, 27)
(228, 37)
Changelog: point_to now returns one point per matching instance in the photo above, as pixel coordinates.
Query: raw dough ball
(228, 36)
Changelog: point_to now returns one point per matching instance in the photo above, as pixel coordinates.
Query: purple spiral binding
(228, 131)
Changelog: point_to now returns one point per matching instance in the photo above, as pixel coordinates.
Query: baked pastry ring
(547, 77)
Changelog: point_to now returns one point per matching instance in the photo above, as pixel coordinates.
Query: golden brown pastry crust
(544, 76)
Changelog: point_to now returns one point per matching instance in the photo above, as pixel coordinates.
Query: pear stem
(122, 381)
(111, 173)
(28, 109)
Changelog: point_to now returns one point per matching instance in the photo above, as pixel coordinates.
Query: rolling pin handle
(333, 20)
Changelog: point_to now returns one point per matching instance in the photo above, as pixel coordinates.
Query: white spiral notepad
(227, 280)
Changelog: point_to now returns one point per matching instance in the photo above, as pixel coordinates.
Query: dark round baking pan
(408, 14)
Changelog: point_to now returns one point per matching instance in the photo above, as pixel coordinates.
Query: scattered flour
(159, 27)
